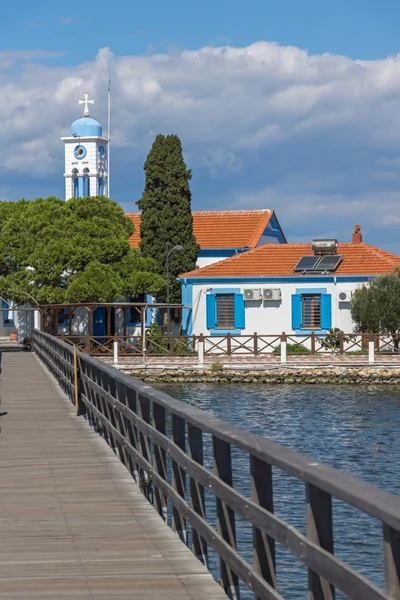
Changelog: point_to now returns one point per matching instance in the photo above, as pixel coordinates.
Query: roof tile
(280, 259)
(220, 229)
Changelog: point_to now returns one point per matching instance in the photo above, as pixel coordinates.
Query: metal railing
(163, 443)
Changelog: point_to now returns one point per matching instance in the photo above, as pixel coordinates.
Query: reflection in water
(353, 428)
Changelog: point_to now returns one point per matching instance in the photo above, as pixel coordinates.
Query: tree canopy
(375, 307)
(75, 251)
(166, 211)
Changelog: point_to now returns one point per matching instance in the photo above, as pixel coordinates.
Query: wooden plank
(72, 522)
(263, 544)
(225, 515)
(391, 544)
(195, 443)
(319, 531)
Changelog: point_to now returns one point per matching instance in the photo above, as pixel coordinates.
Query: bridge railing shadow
(161, 441)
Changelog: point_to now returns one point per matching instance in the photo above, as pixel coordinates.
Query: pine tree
(166, 211)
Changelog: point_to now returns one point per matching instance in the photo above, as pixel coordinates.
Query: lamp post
(169, 252)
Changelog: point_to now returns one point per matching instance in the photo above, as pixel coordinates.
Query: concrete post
(115, 351)
(371, 350)
(283, 347)
(36, 320)
(200, 351)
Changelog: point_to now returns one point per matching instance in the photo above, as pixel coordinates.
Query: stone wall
(337, 375)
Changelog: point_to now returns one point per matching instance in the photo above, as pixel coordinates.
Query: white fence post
(283, 347)
(200, 351)
(371, 350)
(36, 320)
(115, 344)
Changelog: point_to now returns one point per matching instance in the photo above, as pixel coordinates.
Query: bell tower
(86, 168)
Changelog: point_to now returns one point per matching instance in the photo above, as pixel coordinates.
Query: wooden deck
(72, 522)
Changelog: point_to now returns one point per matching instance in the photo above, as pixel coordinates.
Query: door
(100, 325)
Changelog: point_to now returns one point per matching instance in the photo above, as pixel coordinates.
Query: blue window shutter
(210, 308)
(149, 300)
(239, 311)
(296, 311)
(326, 311)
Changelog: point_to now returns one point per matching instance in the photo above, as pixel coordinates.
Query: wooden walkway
(72, 522)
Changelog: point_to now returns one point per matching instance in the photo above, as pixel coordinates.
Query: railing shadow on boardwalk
(162, 443)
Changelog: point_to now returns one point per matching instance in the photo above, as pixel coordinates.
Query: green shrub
(292, 349)
(217, 366)
(332, 339)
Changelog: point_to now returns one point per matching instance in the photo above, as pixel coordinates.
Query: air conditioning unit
(252, 294)
(272, 294)
(345, 296)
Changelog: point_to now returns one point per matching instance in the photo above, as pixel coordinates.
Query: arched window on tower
(75, 184)
(86, 182)
(101, 186)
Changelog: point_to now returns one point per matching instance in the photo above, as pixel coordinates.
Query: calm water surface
(356, 429)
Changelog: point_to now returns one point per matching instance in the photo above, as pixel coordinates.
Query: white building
(281, 288)
(86, 168)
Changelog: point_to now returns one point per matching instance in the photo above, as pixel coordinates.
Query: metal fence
(162, 442)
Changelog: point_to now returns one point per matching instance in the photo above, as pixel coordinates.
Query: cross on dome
(86, 102)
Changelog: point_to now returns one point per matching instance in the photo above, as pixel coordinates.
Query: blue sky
(292, 105)
(356, 28)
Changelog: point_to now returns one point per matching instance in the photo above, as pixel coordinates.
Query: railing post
(319, 531)
(160, 459)
(263, 545)
(283, 347)
(341, 342)
(171, 344)
(391, 545)
(199, 545)
(312, 342)
(178, 476)
(116, 350)
(200, 351)
(371, 350)
(225, 515)
(255, 341)
(228, 344)
(145, 450)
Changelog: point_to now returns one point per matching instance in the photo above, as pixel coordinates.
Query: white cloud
(317, 137)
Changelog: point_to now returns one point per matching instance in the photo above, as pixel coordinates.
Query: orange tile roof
(280, 259)
(221, 228)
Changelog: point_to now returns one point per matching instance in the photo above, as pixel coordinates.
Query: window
(225, 311)
(225, 308)
(311, 311)
(7, 315)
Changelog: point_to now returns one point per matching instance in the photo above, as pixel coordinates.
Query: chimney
(357, 235)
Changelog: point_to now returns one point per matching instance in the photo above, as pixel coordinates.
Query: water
(355, 429)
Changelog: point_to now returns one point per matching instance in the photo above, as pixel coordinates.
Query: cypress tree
(166, 211)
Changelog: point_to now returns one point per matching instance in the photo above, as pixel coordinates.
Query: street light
(169, 252)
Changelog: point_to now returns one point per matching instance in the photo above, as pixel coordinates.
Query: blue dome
(86, 127)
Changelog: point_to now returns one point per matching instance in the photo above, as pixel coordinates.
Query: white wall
(273, 317)
(92, 161)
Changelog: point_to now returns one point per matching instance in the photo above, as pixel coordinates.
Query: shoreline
(288, 375)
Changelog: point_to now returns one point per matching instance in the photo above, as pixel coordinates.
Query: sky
(291, 105)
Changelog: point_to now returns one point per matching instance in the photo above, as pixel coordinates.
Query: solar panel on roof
(329, 262)
(307, 263)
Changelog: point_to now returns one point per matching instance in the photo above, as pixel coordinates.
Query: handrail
(133, 417)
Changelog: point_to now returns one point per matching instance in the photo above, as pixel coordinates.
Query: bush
(292, 349)
(217, 366)
(332, 339)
